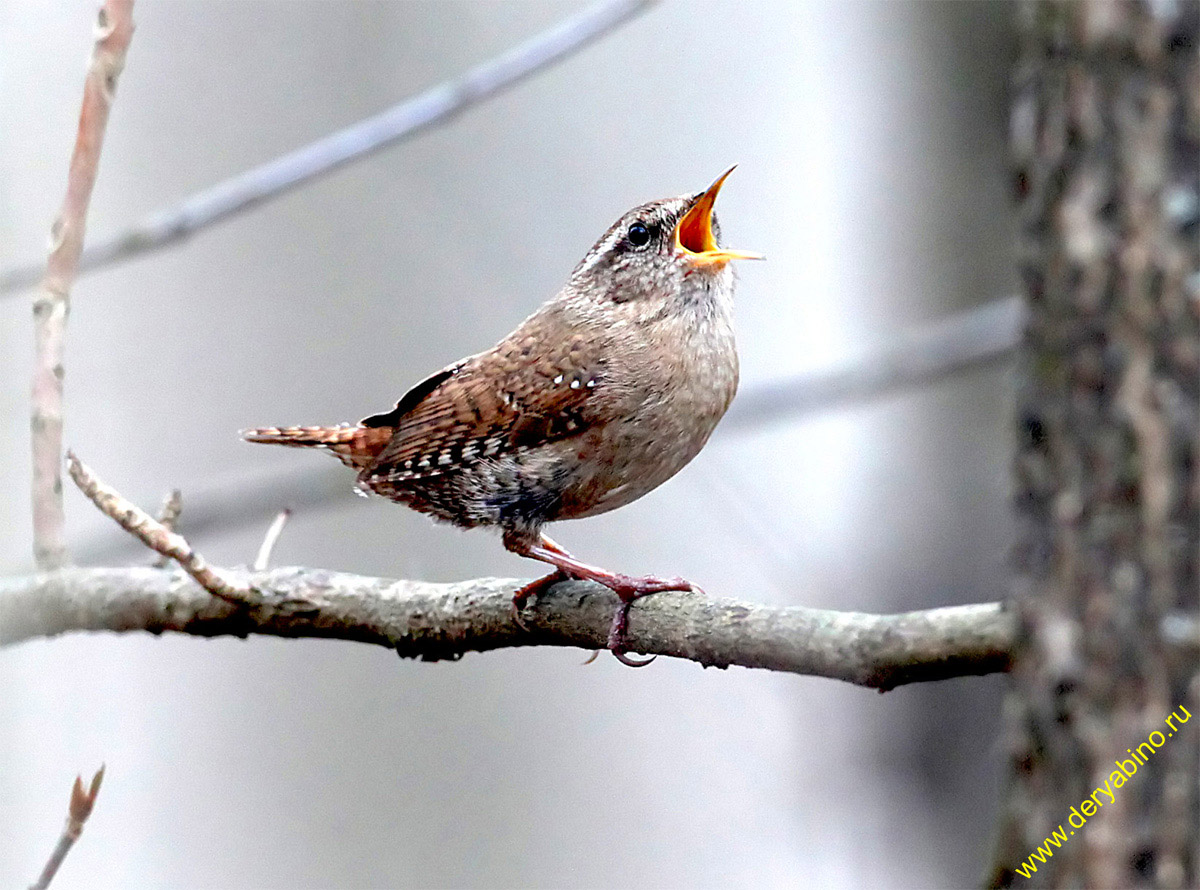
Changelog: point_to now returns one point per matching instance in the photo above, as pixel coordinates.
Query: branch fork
(158, 537)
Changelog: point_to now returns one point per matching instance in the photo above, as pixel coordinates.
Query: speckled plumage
(599, 397)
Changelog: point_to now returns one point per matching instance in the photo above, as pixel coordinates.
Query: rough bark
(445, 621)
(1106, 129)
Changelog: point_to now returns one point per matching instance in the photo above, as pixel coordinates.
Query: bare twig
(274, 178)
(168, 516)
(445, 621)
(263, 560)
(78, 811)
(114, 30)
(172, 506)
(151, 533)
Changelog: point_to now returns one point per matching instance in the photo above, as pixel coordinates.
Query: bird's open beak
(694, 235)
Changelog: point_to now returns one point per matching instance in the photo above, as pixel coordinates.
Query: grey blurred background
(871, 143)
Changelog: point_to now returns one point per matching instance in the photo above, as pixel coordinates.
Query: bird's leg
(627, 587)
(553, 546)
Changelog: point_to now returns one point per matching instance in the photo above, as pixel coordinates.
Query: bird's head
(663, 251)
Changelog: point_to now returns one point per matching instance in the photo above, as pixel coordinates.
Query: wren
(600, 396)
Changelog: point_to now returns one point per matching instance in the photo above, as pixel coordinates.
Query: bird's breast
(681, 387)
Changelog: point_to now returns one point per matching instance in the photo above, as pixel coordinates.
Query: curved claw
(592, 657)
(516, 617)
(631, 662)
(532, 589)
(616, 638)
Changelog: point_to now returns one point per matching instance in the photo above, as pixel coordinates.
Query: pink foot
(627, 587)
(630, 589)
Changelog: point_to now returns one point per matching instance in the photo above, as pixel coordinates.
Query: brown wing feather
(411, 399)
(520, 393)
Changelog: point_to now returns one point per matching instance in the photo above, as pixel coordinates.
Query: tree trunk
(1106, 139)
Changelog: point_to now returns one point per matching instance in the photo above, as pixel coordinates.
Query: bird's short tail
(355, 446)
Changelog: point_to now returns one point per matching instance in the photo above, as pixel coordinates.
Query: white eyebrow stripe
(603, 248)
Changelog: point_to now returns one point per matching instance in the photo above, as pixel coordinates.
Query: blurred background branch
(911, 356)
(51, 303)
(265, 182)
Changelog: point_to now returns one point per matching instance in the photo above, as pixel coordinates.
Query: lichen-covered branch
(445, 621)
(114, 30)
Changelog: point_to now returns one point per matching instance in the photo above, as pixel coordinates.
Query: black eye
(639, 235)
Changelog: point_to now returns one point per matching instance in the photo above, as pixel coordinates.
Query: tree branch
(355, 142)
(444, 621)
(114, 30)
(437, 621)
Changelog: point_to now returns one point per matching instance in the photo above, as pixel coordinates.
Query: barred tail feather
(355, 446)
(300, 436)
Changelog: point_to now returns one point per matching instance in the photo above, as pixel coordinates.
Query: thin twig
(172, 507)
(51, 302)
(214, 509)
(274, 178)
(151, 533)
(168, 516)
(445, 621)
(78, 811)
(263, 560)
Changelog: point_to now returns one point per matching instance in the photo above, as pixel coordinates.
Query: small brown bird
(600, 396)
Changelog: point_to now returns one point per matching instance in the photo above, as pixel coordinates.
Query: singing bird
(599, 397)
